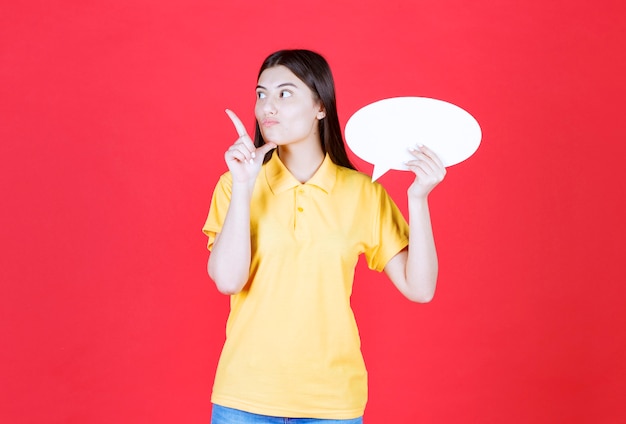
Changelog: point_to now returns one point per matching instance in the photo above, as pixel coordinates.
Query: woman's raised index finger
(241, 129)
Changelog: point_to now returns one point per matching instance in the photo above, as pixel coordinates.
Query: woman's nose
(269, 106)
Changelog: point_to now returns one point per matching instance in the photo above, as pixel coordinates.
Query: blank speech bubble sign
(382, 132)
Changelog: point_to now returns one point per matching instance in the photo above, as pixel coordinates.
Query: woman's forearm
(422, 264)
(229, 261)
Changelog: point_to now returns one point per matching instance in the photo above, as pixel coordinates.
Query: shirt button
(301, 191)
(300, 209)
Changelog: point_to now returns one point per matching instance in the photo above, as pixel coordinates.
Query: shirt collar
(280, 179)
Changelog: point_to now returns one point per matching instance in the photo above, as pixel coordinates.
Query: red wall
(112, 136)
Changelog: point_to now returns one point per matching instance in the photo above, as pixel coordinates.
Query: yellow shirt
(292, 345)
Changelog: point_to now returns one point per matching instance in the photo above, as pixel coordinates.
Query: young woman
(286, 226)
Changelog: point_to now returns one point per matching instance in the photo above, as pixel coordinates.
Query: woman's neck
(302, 161)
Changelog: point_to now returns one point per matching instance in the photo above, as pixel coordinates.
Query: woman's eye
(285, 93)
(260, 95)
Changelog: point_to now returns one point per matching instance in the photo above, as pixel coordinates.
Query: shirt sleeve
(219, 206)
(390, 231)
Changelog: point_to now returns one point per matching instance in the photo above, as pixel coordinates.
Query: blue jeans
(224, 415)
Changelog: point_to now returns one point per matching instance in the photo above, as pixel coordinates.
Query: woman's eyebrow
(285, 84)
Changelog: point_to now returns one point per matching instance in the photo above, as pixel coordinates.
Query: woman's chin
(275, 140)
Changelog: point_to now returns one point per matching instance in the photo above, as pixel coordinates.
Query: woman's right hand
(243, 159)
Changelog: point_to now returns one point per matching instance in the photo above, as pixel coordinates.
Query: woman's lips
(269, 122)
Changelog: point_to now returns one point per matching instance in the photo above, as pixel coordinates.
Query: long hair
(313, 70)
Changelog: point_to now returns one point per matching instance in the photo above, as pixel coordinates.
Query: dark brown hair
(313, 70)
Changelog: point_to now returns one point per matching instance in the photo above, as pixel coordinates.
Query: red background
(112, 136)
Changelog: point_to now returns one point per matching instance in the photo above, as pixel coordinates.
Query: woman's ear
(321, 114)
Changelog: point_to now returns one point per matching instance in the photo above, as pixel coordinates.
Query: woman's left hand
(428, 169)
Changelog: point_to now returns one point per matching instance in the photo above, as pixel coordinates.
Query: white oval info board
(382, 132)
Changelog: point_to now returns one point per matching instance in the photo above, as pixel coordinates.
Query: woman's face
(286, 109)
